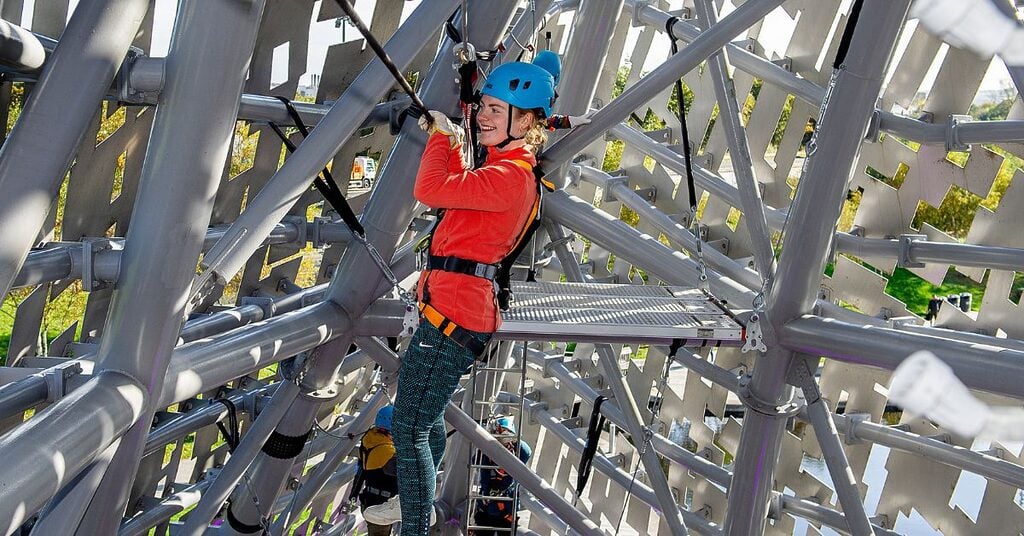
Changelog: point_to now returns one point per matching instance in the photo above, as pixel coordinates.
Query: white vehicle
(364, 171)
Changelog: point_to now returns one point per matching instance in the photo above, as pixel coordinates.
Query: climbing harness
(329, 189)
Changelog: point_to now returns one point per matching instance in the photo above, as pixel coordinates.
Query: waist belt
(378, 492)
(462, 266)
(462, 336)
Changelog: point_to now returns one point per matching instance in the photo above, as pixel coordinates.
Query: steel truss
(159, 367)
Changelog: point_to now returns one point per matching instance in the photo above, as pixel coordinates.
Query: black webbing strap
(690, 188)
(324, 182)
(462, 266)
(285, 447)
(590, 449)
(844, 42)
(231, 433)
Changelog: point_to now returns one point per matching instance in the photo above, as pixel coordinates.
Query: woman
(484, 212)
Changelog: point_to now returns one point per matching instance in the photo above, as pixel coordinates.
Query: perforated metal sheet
(616, 313)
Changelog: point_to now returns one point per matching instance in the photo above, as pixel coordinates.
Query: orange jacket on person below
(485, 211)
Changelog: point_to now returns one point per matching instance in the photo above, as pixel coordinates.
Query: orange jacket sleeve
(444, 182)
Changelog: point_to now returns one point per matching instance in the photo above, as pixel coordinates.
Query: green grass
(915, 292)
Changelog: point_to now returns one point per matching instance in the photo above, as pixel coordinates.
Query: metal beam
(979, 366)
(657, 80)
(819, 200)
(207, 65)
(72, 432)
(277, 197)
(739, 151)
(58, 112)
(522, 474)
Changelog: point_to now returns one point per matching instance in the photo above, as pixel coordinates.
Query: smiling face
(493, 121)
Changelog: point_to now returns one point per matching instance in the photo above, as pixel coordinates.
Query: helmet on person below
(499, 425)
(384, 417)
(523, 85)
(550, 62)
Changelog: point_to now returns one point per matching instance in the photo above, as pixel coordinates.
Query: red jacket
(485, 211)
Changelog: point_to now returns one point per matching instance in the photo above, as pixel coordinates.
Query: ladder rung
(479, 466)
(498, 369)
(495, 529)
(479, 497)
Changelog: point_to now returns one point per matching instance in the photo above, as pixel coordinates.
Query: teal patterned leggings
(429, 374)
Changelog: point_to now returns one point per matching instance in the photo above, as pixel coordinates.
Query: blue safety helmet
(524, 85)
(384, 417)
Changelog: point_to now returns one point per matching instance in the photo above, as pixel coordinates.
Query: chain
(403, 294)
(702, 267)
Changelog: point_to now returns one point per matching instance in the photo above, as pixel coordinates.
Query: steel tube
(657, 80)
(20, 395)
(637, 248)
(739, 151)
(71, 433)
(674, 161)
(821, 514)
(316, 481)
(347, 113)
(843, 481)
(20, 49)
(816, 208)
(979, 366)
(520, 472)
(168, 508)
(206, 66)
(211, 413)
(650, 214)
(944, 453)
(245, 452)
(57, 113)
(609, 409)
(670, 512)
(206, 364)
(637, 490)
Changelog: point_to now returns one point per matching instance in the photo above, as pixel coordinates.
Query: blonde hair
(537, 135)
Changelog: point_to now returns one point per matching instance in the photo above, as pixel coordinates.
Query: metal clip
(410, 321)
(754, 339)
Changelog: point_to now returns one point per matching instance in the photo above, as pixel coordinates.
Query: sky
(324, 34)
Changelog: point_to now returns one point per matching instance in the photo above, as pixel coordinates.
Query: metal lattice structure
(124, 171)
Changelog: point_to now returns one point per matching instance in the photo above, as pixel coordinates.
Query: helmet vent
(513, 84)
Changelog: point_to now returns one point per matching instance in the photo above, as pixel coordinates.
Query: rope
(384, 58)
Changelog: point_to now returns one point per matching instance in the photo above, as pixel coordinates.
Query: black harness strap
(844, 42)
(590, 449)
(324, 182)
(690, 188)
(231, 433)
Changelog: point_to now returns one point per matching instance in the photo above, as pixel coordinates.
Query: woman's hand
(443, 125)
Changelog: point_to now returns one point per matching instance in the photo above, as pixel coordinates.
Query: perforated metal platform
(590, 312)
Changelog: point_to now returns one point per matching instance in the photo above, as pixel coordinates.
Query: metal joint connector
(57, 377)
(638, 6)
(768, 409)
(300, 223)
(267, 304)
(849, 426)
(141, 78)
(91, 273)
(953, 142)
(609, 184)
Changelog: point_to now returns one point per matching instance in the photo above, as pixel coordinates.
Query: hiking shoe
(390, 512)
